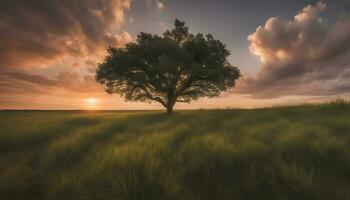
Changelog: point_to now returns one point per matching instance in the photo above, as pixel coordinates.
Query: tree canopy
(175, 67)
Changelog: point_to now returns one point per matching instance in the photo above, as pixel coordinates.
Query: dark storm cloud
(304, 56)
(36, 32)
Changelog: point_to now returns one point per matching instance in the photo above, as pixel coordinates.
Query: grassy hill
(296, 152)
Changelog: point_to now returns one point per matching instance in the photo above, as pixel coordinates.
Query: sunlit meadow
(295, 152)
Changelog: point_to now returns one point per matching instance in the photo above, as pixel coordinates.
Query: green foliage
(175, 67)
(297, 152)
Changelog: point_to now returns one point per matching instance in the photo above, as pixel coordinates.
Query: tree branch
(183, 101)
(150, 96)
(186, 85)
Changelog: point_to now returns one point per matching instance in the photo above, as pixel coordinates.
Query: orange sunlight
(91, 103)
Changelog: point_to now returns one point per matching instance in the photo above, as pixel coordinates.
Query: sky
(289, 51)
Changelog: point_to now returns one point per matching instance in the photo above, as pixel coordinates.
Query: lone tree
(175, 67)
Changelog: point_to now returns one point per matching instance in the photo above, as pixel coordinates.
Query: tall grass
(297, 152)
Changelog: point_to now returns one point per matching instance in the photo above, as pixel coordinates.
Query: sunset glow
(294, 52)
(174, 99)
(91, 102)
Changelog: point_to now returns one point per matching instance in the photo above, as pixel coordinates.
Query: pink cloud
(302, 56)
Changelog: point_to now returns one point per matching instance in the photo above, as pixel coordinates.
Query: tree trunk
(170, 108)
(170, 105)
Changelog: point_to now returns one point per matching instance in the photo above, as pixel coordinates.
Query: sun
(91, 102)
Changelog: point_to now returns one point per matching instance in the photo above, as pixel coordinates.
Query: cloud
(164, 26)
(37, 33)
(307, 55)
(66, 82)
(160, 5)
(66, 37)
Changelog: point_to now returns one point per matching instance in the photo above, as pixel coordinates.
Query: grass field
(296, 152)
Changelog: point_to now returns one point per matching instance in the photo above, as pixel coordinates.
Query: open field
(297, 152)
